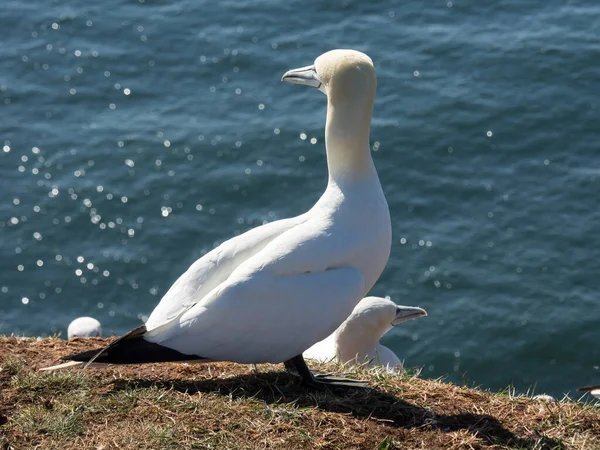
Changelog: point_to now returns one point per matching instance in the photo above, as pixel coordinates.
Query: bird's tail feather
(589, 388)
(131, 348)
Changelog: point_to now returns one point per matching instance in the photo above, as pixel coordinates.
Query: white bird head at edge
(84, 327)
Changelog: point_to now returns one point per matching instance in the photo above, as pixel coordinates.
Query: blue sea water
(137, 135)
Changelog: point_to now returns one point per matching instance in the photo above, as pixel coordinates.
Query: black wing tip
(132, 348)
(81, 357)
(87, 355)
(588, 388)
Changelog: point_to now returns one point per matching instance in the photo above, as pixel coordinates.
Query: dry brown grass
(223, 405)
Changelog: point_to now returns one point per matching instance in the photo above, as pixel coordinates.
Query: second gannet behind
(272, 292)
(356, 341)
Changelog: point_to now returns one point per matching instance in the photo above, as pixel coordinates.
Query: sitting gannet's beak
(404, 313)
(304, 75)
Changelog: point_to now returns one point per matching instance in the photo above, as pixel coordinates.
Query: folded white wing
(294, 292)
(265, 318)
(213, 269)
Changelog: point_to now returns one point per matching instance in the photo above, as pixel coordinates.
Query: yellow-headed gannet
(272, 292)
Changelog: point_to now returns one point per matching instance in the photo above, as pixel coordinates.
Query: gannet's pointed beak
(404, 313)
(304, 75)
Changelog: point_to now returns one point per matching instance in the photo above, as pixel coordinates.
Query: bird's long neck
(347, 140)
(354, 341)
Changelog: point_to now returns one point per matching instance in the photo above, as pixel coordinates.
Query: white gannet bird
(272, 292)
(593, 390)
(356, 341)
(84, 327)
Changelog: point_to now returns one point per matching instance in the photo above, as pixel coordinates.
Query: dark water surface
(137, 135)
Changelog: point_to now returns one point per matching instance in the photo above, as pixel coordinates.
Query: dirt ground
(225, 405)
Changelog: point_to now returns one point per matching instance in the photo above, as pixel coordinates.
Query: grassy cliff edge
(224, 405)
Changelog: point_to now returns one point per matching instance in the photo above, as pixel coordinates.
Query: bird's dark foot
(297, 366)
(320, 381)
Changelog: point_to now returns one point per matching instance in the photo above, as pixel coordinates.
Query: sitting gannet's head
(382, 314)
(370, 320)
(340, 74)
